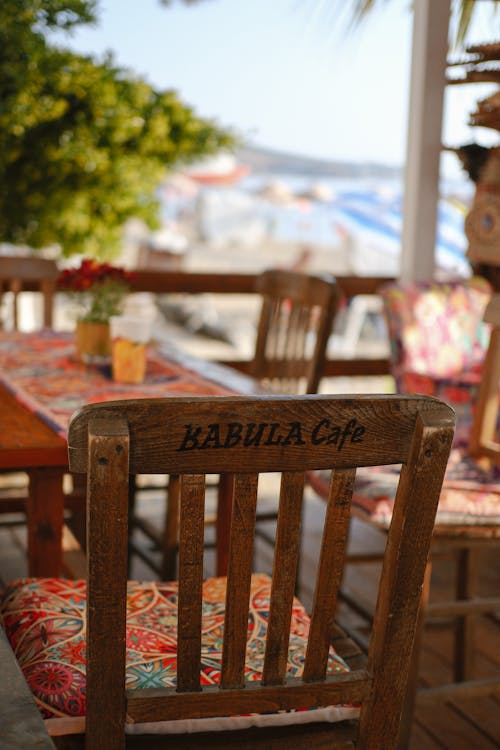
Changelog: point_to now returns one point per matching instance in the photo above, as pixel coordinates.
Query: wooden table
(30, 444)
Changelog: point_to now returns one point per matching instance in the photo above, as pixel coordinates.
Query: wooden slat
(332, 368)
(225, 492)
(329, 575)
(155, 704)
(190, 581)
(107, 537)
(284, 574)
(171, 531)
(238, 582)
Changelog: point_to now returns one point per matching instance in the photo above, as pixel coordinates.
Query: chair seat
(44, 620)
(470, 494)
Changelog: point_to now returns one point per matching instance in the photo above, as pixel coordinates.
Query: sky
(286, 74)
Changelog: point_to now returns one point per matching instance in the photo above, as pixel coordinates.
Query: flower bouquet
(100, 290)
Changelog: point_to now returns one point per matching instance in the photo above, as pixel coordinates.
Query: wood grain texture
(152, 704)
(190, 581)
(238, 581)
(107, 539)
(294, 327)
(19, 273)
(403, 569)
(286, 554)
(387, 422)
(331, 566)
(248, 435)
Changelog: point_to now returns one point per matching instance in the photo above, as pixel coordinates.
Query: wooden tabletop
(29, 443)
(25, 440)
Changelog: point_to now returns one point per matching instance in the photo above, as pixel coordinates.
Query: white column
(430, 45)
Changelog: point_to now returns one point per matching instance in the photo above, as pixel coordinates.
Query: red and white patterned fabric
(43, 372)
(44, 620)
(470, 493)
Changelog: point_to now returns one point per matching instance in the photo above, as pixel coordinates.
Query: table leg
(45, 513)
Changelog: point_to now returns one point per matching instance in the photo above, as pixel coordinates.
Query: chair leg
(465, 626)
(170, 540)
(411, 692)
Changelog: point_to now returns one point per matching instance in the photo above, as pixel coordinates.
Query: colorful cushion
(470, 494)
(44, 620)
(439, 341)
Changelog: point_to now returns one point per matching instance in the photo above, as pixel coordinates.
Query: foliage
(83, 144)
(99, 288)
(463, 11)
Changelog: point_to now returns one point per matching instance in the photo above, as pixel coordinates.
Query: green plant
(84, 144)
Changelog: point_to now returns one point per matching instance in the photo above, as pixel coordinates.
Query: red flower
(101, 288)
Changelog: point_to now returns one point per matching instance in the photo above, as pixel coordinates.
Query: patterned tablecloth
(42, 371)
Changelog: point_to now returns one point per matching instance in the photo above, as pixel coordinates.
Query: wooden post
(430, 46)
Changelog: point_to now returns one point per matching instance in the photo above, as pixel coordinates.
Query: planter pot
(93, 342)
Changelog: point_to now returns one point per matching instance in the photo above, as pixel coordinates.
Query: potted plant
(100, 290)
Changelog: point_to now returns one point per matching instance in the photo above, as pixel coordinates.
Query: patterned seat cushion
(44, 620)
(470, 494)
(439, 341)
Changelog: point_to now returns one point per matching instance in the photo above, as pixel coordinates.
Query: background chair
(439, 340)
(195, 645)
(20, 273)
(295, 323)
(440, 346)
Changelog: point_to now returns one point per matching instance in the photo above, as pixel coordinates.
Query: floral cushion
(44, 620)
(470, 494)
(439, 341)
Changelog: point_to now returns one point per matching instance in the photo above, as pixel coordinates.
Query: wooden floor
(462, 725)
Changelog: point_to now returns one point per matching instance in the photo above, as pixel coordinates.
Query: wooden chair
(193, 650)
(468, 517)
(295, 324)
(20, 273)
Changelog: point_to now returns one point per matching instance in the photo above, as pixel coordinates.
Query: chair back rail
(244, 436)
(16, 272)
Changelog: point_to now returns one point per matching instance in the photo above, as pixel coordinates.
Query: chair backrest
(436, 328)
(438, 341)
(294, 327)
(246, 436)
(19, 273)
